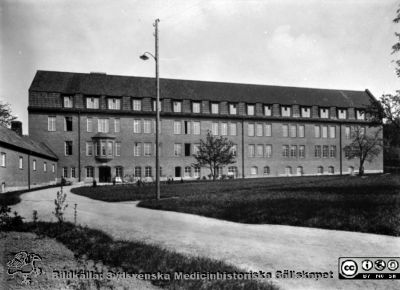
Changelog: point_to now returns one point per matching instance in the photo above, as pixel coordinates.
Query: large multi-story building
(102, 126)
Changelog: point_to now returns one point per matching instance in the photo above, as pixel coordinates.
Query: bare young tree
(6, 116)
(214, 152)
(365, 147)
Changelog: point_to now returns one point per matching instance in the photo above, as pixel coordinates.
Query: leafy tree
(5, 115)
(364, 146)
(213, 153)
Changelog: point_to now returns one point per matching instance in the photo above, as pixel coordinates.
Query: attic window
(342, 113)
(92, 103)
(114, 104)
(324, 113)
(360, 114)
(305, 112)
(68, 101)
(286, 112)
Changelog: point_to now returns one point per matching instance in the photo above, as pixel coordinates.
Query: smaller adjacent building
(24, 163)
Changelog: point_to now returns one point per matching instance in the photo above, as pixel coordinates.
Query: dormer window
(196, 107)
(92, 103)
(214, 108)
(137, 105)
(159, 106)
(233, 109)
(324, 113)
(68, 101)
(250, 110)
(342, 113)
(177, 106)
(286, 111)
(114, 104)
(360, 114)
(267, 110)
(305, 112)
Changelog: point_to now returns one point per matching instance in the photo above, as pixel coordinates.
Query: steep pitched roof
(113, 85)
(24, 143)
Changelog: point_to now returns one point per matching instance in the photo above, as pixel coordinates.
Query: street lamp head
(144, 57)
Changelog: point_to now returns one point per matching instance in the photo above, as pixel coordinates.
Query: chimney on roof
(16, 126)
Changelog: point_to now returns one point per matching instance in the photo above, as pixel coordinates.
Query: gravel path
(253, 247)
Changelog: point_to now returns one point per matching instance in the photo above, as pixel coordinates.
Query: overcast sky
(328, 44)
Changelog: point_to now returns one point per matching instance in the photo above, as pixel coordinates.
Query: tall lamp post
(145, 57)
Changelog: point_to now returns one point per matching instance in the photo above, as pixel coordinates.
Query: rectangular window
(138, 171)
(159, 106)
(68, 102)
(103, 125)
(177, 106)
(21, 162)
(362, 130)
(118, 171)
(325, 149)
(268, 130)
(68, 148)
(285, 130)
(34, 165)
(233, 109)
(250, 110)
(3, 159)
(214, 108)
(147, 149)
(196, 172)
(268, 151)
(117, 125)
(224, 129)
(109, 148)
(317, 131)
(187, 149)
(53, 168)
(186, 127)
(234, 150)
(324, 132)
(259, 130)
(89, 124)
(285, 151)
(293, 151)
(137, 149)
(332, 132)
(147, 171)
(51, 123)
(92, 103)
(285, 111)
(260, 150)
(89, 149)
(360, 114)
(177, 149)
(196, 128)
(137, 105)
(342, 113)
(177, 127)
(65, 172)
(114, 104)
(324, 113)
(250, 129)
(73, 172)
(68, 124)
(136, 126)
(233, 129)
(44, 166)
(251, 150)
(347, 132)
(302, 151)
(317, 151)
(196, 107)
(196, 148)
(147, 126)
(332, 151)
(89, 172)
(267, 110)
(117, 148)
(293, 131)
(103, 149)
(214, 129)
(301, 131)
(305, 112)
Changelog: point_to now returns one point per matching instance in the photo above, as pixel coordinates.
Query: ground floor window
(320, 170)
(254, 170)
(266, 170)
(118, 171)
(299, 170)
(73, 172)
(331, 170)
(188, 171)
(232, 171)
(197, 172)
(138, 171)
(288, 170)
(147, 171)
(65, 172)
(89, 172)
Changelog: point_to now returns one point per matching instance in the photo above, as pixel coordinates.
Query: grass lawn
(137, 257)
(370, 204)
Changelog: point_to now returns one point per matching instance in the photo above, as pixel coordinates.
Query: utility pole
(157, 114)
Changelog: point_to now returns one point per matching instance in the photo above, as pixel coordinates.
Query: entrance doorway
(177, 171)
(104, 174)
